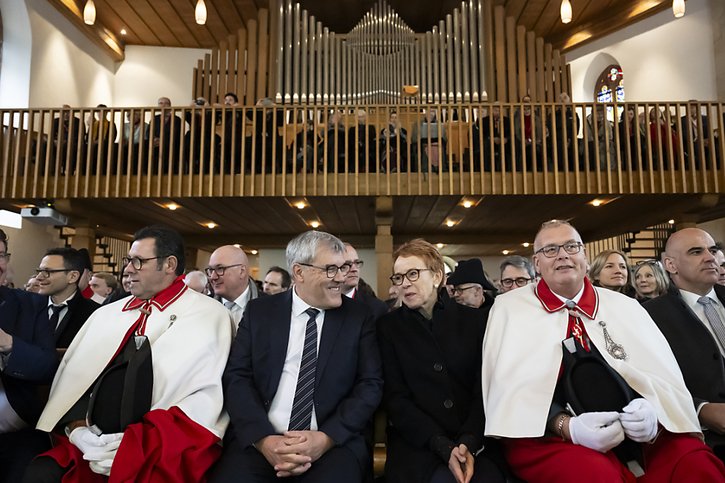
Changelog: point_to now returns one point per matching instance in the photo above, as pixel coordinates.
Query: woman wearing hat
(431, 352)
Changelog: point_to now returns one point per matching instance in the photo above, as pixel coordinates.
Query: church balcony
(530, 149)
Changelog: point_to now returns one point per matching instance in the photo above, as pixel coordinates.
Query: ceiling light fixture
(123, 32)
(596, 203)
(526, 244)
(450, 223)
(671, 222)
(173, 206)
(505, 252)
(89, 12)
(200, 12)
(211, 225)
(678, 8)
(237, 245)
(565, 11)
(300, 205)
(315, 224)
(440, 245)
(254, 252)
(467, 203)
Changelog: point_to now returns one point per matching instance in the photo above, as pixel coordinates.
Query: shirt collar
(242, 300)
(299, 306)
(587, 300)
(692, 298)
(65, 302)
(351, 293)
(162, 299)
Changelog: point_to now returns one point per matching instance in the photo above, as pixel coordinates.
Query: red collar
(588, 303)
(162, 299)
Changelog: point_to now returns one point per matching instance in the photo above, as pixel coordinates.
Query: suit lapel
(330, 330)
(66, 318)
(278, 328)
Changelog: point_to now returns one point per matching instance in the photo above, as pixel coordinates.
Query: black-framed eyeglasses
(5, 256)
(220, 269)
(519, 281)
(571, 248)
(47, 272)
(358, 263)
(137, 262)
(459, 290)
(412, 275)
(330, 270)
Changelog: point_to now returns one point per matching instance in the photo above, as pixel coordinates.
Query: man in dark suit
(695, 125)
(690, 316)
(353, 286)
(29, 359)
(362, 145)
(167, 135)
(58, 275)
(303, 378)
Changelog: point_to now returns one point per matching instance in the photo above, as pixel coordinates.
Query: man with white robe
(189, 337)
(523, 380)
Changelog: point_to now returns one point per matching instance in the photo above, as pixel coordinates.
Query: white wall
(663, 58)
(148, 73)
(15, 72)
(27, 247)
(66, 68)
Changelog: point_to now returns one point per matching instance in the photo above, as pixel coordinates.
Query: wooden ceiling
(171, 23)
(492, 224)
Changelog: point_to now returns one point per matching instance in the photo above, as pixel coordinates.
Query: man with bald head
(691, 317)
(229, 277)
(573, 374)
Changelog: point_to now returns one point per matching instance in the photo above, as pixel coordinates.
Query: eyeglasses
(571, 248)
(330, 270)
(519, 281)
(5, 256)
(220, 269)
(358, 263)
(47, 272)
(137, 262)
(460, 290)
(412, 275)
(650, 261)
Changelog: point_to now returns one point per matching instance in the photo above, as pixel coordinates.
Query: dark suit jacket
(33, 359)
(348, 384)
(432, 386)
(695, 349)
(79, 309)
(376, 306)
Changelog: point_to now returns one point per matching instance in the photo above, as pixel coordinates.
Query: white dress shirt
(240, 303)
(63, 311)
(691, 299)
(281, 408)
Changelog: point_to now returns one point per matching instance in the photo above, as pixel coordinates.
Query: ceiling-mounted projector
(44, 216)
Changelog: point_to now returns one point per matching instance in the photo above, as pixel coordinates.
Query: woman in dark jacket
(431, 355)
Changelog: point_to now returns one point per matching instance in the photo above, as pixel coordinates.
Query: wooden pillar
(384, 243)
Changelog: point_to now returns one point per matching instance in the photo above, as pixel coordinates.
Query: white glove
(597, 431)
(93, 447)
(101, 467)
(639, 420)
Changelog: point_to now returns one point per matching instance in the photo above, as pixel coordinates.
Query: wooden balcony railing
(401, 150)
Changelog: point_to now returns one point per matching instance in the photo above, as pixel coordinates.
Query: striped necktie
(301, 415)
(714, 318)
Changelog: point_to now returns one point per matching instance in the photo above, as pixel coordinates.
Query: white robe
(190, 341)
(522, 355)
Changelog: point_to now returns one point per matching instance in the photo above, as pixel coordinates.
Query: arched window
(610, 85)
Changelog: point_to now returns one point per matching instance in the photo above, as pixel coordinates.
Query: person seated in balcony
(600, 137)
(229, 122)
(565, 128)
(605, 404)
(496, 130)
(201, 138)
(134, 140)
(302, 151)
(662, 135)
(362, 145)
(393, 142)
(529, 132)
(430, 140)
(67, 134)
(649, 280)
(695, 125)
(266, 120)
(431, 352)
(610, 270)
(632, 132)
(167, 136)
(333, 143)
(101, 134)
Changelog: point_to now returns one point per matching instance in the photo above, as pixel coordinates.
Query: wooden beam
(97, 33)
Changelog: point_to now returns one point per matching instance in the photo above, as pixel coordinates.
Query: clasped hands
(602, 431)
(293, 452)
(99, 451)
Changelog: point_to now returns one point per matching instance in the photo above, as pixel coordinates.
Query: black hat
(470, 271)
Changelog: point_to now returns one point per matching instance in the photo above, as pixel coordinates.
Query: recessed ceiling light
(671, 222)
(123, 32)
(315, 224)
(173, 206)
(440, 245)
(237, 245)
(526, 244)
(254, 252)
(300, 205)
(450, 223)
(467, 203)
(505, 252)
(596, 203)
(211, 225)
